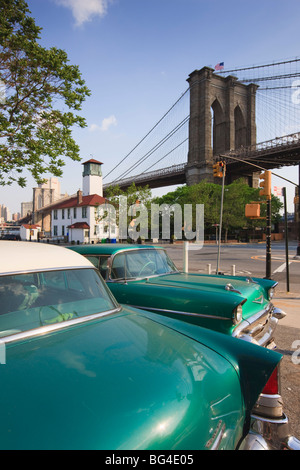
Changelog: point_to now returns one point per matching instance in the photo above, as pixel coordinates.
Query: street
(247, 259)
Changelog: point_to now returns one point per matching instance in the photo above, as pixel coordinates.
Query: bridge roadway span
(275, 153)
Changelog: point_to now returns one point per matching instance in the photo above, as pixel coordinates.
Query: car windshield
(141, 263)
(32, 300)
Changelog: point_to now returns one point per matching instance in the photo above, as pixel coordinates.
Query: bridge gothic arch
(240, 134)
(222, 117)
(217, 127)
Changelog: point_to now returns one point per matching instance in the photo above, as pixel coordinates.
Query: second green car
(145, 277)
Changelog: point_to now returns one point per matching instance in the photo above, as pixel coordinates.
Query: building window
(69, 213)
(55, 230)
(84, 212)
(55, 214)
(63, 230)
(63, 213)
(75, 212)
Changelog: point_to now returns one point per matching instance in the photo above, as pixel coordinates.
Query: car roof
(18, 256)
(109, 248)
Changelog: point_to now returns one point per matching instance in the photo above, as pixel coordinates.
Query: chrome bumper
(259, 329)
(269, 434)
(269, 426)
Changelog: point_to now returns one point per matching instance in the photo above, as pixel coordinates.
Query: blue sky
(136, 55)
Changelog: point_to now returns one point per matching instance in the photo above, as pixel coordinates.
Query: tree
(205, 193)
(133, 194)
(41, 92)
(138, 205)
(236, 196)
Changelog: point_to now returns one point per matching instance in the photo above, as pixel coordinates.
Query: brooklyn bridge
(249, 117)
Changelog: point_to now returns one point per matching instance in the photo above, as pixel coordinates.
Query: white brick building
(78, 218)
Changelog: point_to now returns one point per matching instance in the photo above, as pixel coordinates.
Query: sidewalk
(290, 303)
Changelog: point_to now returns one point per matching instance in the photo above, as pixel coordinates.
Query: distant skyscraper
(5, 213)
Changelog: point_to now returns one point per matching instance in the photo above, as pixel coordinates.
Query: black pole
(268, 240)
(298, 247)
(286, 242)
(221, 217)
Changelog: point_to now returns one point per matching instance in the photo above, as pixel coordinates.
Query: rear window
(29, 301)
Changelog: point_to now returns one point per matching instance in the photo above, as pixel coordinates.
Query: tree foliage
(43, 93)
(133, 194)
(236, 196)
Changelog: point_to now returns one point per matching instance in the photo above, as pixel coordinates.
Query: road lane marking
(263, 258)
(280, 268)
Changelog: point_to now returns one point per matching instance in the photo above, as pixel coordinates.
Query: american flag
(219, 66)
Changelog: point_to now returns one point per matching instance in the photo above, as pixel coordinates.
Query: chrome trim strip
(218, 439)
(56, 326)
(151, 309)
(259, 300)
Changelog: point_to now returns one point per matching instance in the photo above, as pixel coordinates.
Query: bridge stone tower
(222, 118)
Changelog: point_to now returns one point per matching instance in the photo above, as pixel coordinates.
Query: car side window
(100, 262)
(103, 260)
(118, 267)
(94, 260)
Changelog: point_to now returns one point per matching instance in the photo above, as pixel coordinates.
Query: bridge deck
(275, 153)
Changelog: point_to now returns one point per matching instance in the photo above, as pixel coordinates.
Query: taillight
(272, 386)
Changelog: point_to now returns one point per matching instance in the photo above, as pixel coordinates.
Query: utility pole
(266, 191)
(219, 170)
(298, 199)
(286, 241)
(268, 240)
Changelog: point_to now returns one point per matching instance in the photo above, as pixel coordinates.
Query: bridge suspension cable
(156, 147)
(253, 67)
(277, 114)
(148, 133)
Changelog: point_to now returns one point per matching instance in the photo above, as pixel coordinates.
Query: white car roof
(17, 256)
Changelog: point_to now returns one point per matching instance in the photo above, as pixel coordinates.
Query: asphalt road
(250, 260)
(245, 259)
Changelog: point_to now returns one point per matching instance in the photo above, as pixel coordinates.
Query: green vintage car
(145, 277)
(79, 371)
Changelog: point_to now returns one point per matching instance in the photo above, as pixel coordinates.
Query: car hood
(239, 289)
(207, 283)
(126, 381)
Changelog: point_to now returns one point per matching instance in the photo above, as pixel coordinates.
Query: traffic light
(265, 184)
(252, 210)
(219, 169)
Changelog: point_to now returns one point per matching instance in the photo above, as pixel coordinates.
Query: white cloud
(85, 10)
(94, 127)
(105, 125)
(107, 122)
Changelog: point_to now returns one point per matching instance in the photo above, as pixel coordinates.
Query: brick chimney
(79, 196)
